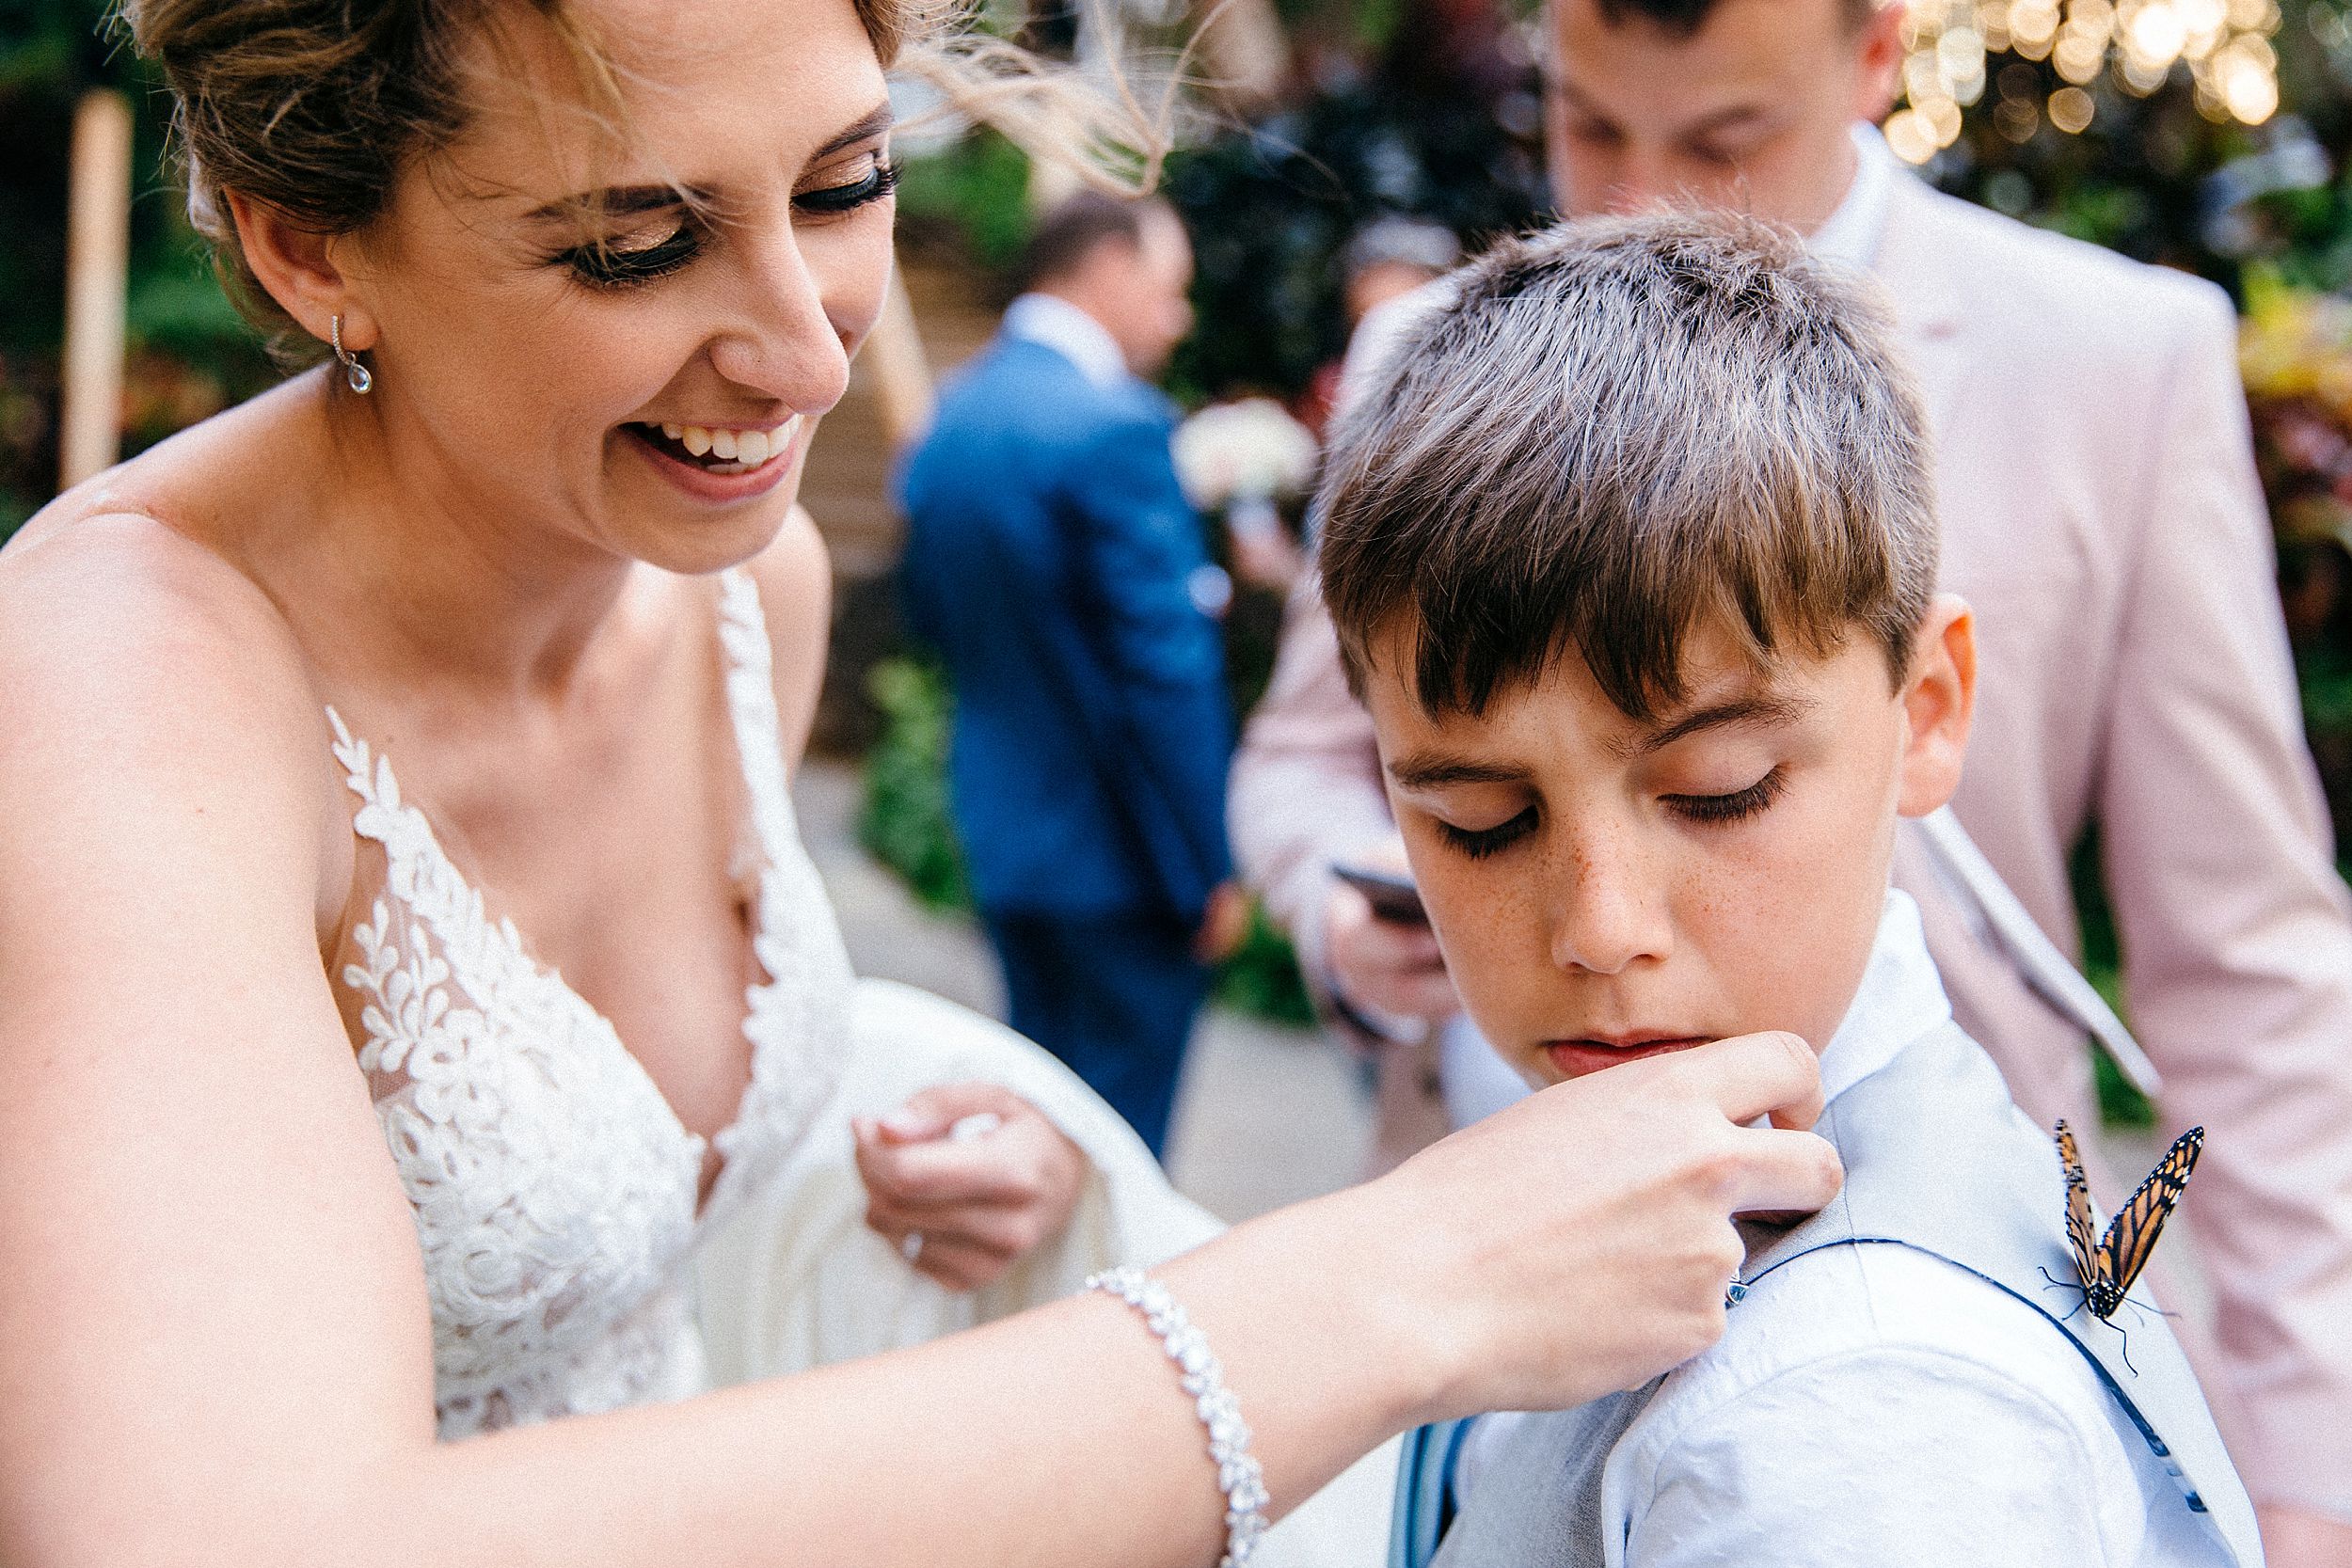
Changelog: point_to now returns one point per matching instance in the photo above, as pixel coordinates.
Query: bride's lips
(705, 474)
(1575, 1058)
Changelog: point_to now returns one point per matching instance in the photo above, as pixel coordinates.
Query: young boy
(1632, 557)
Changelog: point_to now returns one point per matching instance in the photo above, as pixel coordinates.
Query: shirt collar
(1057, 324)
(1851, 234)
(1900, 998)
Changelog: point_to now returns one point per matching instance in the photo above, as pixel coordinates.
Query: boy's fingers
(1772, 1074)
(1784, 1173)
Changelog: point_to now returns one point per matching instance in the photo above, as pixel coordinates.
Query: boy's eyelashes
(1478, 843)
(650, 254)
(1735, 806)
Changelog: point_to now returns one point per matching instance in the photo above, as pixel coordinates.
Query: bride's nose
(797, 319)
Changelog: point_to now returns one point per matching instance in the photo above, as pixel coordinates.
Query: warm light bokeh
(2223, 44)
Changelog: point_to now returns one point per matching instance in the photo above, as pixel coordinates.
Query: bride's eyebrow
(625, 201)
(878, 119)
(619, 201)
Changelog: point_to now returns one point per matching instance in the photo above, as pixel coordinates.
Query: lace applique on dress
(553, 1186)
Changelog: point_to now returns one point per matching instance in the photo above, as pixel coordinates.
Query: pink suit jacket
(2101, 512)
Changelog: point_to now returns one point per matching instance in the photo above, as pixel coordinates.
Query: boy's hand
(967, 1178)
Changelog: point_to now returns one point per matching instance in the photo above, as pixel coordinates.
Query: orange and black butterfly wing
(2082, 1233)
(2131, 1235)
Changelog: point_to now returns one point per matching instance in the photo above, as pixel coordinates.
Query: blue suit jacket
(1049, 558)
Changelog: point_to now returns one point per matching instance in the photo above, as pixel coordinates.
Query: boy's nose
(1606, 918)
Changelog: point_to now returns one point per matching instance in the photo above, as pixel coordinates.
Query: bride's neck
(445, 581)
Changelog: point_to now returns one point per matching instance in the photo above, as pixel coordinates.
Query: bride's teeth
(674, 431)
(722, 445)
(751, 446)
(695, 439)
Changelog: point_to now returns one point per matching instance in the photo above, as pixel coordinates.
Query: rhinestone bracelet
(1237, 1473)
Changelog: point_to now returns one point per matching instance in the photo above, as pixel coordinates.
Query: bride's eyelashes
(621, 264)
(631, 260)
(830, 200)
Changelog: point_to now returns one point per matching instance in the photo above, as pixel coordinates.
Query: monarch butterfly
(2107, 1264)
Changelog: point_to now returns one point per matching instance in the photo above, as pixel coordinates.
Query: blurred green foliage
(2120, 1104)
(1262, 976)
(973, 195)
(904, 822)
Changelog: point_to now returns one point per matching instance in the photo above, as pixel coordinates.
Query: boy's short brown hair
(1616, 430)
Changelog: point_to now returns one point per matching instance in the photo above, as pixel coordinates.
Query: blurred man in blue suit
(1053, 560)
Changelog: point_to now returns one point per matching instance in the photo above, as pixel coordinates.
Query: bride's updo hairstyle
(316, 107)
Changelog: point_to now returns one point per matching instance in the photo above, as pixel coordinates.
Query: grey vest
(1938, 1160)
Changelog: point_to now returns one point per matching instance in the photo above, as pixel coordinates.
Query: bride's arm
(215, 1342)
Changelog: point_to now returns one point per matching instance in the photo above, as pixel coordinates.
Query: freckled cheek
(1792, 917)
(1491, 926)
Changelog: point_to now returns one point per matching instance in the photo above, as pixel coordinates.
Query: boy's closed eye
(1722, 807)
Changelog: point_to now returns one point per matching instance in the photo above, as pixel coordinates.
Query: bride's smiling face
(622, 326)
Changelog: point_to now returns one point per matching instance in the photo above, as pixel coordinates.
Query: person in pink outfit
(2100, 509)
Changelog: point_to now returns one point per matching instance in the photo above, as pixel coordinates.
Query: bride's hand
(979, 1194)
(1580, 1240)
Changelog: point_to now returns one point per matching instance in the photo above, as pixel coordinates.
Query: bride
(406, 953)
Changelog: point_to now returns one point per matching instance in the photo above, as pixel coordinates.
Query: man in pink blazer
(2101, 512)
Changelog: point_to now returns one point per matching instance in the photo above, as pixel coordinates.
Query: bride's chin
(664, 531)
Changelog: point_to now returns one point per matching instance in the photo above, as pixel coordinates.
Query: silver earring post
(355, 371)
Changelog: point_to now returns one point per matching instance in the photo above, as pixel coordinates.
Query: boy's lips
(1575, 1058)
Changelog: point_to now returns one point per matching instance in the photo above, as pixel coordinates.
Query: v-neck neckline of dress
(458, 915)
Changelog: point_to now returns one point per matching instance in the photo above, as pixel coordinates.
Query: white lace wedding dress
(553, 1187)
(554, 1190)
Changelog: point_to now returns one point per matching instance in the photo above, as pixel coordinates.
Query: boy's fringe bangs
(1621, 436)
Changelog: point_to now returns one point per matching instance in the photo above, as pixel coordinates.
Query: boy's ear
(300, 270)
(1939, 697)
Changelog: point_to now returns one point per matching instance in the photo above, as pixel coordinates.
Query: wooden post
(97, 281)
(902, 372)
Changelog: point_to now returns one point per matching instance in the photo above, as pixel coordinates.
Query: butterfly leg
(2057, 1284)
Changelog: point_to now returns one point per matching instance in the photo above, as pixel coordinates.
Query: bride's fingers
(930, 1176)
(1772, 1073)
(1020, 1162)
(1007, 1228)
(933, 1113)
(960, 1265)
(1783, 1173)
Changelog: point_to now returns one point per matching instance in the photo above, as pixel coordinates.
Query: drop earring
(355, 371)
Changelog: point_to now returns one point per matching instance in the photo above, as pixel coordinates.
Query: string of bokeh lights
(2224, 45)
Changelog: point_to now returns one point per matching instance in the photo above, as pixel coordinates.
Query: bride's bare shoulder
(139, 661)
(112, 589)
